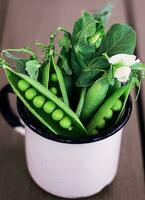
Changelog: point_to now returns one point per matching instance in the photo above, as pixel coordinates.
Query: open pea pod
(61, 82)
(98, 119)
(52, 79)
(44, 73)
(46, 119)
(50, 73)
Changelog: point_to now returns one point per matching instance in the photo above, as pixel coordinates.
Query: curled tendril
(21, 50)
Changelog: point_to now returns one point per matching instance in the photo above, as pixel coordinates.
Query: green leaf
(137, 74)
(20, 62)
(121, 38)
(32, 67)
(86, 36)
(64, 42)
(138, 66)
(64, 64)
(89, 74)
(64, 61)
(76, 67)
(65, 53)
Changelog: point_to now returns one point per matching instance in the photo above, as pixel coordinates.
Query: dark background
(24, 21)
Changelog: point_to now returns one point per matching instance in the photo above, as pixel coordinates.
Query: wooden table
(15, 182)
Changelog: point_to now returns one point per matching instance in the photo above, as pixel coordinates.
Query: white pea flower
(124, 61)
(122, 74)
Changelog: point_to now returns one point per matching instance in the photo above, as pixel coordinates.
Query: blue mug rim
(37, 128)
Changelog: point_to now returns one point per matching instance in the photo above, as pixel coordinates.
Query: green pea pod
(61, 82)
(94, 97)
(103, 110)
(81, 102)
(48, 68)
(14, 77)
(45, 74)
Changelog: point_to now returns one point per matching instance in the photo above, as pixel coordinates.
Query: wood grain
(3, 14)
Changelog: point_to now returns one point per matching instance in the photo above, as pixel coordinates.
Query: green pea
(100, 124)
(109, 114)
(57, 115)
(53, 90)
(23, 85)
(38, 101)
(30, 93)
(65, 122)
(49, 107)
(94, 132)
(117, 106)
(53, 77)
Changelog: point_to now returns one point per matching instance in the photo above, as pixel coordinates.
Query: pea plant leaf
(65, 42)
(121, 38)
(76, 67)
(64, 62)
(87, 32)
(65, 53)
(20, 62)
(32, 67)
(138, 67)
(96, 67)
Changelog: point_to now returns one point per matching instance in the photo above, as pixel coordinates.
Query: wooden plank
(15, 182)
(138, 9)
(130, 13)
(3, 13)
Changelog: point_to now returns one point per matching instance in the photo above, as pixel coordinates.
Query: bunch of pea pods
(52, 90)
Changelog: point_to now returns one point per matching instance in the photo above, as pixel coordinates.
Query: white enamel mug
(69, 168)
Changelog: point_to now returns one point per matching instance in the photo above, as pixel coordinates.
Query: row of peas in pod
(54, 80)
(44, 105)
(105, 112)
(39, 102)
(100, 124)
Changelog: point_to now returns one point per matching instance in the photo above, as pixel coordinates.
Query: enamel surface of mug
(72, 170)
